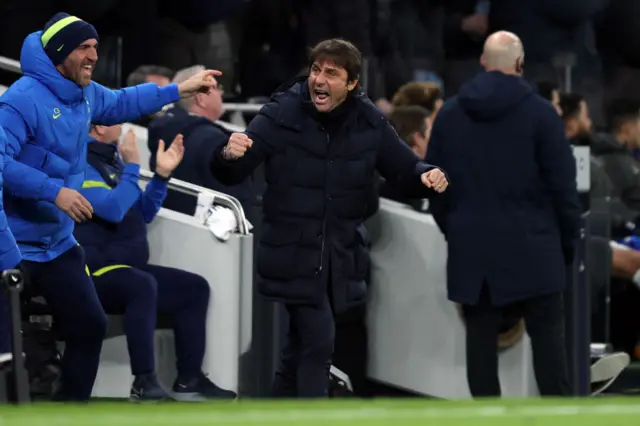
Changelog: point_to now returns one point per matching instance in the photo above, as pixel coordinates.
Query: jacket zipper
(324, 222)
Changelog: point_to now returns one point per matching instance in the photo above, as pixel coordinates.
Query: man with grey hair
(514, 195)
(196, 121)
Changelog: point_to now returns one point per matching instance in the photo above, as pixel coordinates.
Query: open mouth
(320, 96)
(87, 70)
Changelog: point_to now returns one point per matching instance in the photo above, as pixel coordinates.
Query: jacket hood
(491, 95)
(36, 64)
(602, 144)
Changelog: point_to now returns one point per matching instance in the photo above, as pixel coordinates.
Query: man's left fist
(436, 180)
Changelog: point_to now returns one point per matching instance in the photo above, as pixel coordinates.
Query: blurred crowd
(587, 45)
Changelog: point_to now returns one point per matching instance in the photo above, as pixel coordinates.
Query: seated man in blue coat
(117, 253)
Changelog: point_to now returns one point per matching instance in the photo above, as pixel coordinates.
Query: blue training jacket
(47, 118)
(9, 253)
(117, 235)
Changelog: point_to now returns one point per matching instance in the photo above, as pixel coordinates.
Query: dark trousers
(544, 320)
(352, 349)
(140, 294)
(306, 359)
(79, 317)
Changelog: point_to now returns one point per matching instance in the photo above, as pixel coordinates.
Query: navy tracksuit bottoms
(79, 317)
(140, 294)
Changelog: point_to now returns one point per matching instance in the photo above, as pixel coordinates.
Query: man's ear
(352, 84)
(198, 99)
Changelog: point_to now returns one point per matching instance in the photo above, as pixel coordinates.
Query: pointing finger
(212, 73)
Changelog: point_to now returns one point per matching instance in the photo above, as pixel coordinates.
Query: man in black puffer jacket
(321, 140)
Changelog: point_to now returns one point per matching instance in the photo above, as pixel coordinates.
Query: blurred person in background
(195, 119)
(515, 190)
(117, 256)
(623, 262)
(46, 114)
(550, 92)
(321, 140)
(618, 150)
(150, 74)
(413, 125)
(578, 126)
(424, 94)
(159, 75)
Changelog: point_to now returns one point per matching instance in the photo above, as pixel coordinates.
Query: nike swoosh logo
(182, 386)
(55, 116)
(60, 48)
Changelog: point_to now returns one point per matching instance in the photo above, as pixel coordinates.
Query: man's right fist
(237, 146)
(74, 204)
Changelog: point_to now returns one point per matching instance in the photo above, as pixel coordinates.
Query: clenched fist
(237, 146)
(435, 179)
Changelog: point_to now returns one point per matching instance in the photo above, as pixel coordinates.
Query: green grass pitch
(606, 411)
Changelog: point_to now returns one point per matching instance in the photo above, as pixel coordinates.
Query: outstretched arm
(403, 169)
(117, 106)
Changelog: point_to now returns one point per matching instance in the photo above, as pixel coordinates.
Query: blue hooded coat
(46, 118)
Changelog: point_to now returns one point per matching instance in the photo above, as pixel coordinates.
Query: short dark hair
(139, 75)
(424, 94)
(570, 104)
(546, 89)
(621, 111)
(340, 51)
(409, 120)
